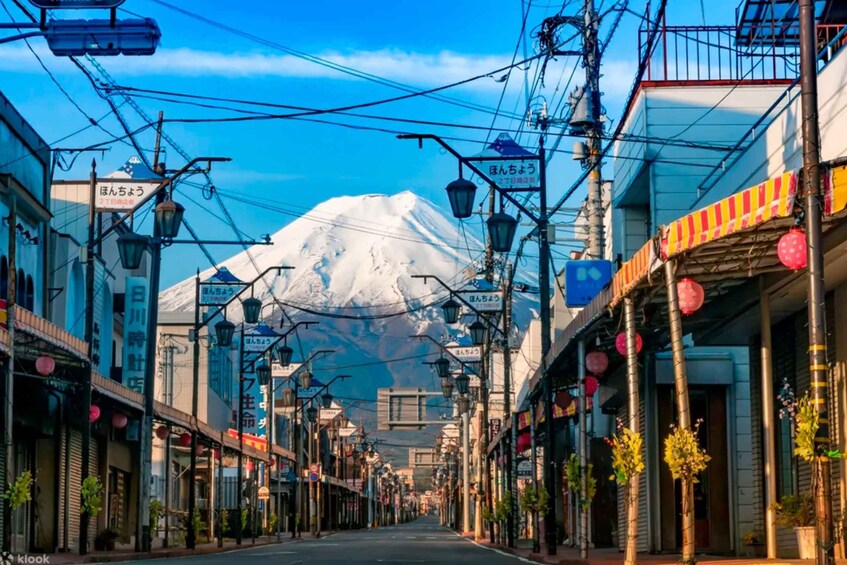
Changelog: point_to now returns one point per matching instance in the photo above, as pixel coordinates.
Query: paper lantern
(563, 399)
(94, 413)
(249, 464)
(45, 365)
(791, 249)
(597, 362)
(591, 385)
(217, 454)
(200, 449)
(691, 295)
(162, 432)
(620, 343)
(271, 462)
(119, 420)
(524, 442)
(185, 439)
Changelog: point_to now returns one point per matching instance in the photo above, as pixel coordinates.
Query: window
(29, 296)
(20, 288)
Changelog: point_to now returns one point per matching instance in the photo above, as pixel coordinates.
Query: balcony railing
(712, 54)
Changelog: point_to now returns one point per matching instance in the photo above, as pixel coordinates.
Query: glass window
(20, 287)
(4, 278)
(29, 300)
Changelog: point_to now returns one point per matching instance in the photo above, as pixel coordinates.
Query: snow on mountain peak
(352, 251)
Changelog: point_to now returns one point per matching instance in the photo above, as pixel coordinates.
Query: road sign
(485, 300)
(257, 343)
(315, 468)
(76, 4)
(525, 469)
(509, 171)
(467, 353)
(69, 38)
(278, 370)
(264, 493)
(329, 414)
(584, 280)
(121, 195)
(314, 477)
(219, 288)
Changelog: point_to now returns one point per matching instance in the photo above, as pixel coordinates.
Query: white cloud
(408, 67)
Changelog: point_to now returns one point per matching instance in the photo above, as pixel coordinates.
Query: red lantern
(524, 442)
(563, 399)
(620, 343)
(691, 295)
(591, 385)
(200, 449)
(162, 432)
(94, 413)
(185, 439)
(271, 462)
(217, 454)
(597, 362)
(791, 249)
(119, 420)
(45, 365)
(249, 464)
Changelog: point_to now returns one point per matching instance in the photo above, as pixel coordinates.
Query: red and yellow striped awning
(749, 208)
(633, 271)
(558, 412)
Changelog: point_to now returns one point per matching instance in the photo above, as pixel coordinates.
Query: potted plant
(753, 544)
(105, 540)
(798, 512)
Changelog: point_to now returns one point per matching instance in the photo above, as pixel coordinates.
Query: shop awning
(37, 336)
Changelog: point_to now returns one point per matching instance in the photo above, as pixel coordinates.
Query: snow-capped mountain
(353, 259)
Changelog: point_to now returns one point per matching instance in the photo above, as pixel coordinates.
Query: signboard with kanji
(515, 167)
(584, 280)
(257, 343)
(121, 195)
(76, 4)
(329, 414)
(219, 288)
(485, 300)
(278, 370)
(525, 469)
(264, 493)
(494, 425)
(467, 353)
(253, 414)
(135, 333)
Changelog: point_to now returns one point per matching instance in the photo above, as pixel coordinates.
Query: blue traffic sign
(290, 477)
(584, 280)
(314, 477)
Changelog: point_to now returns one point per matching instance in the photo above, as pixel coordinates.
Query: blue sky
(294, 164)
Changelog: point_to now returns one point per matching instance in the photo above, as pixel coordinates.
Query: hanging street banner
(219, 288)
(278, 370)
(515, 168)
(135, 333)
(260, 338)
(485, 300)
(329, 414)
(466, 353)
(253, 414)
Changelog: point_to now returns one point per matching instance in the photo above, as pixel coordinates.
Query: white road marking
(503, 553)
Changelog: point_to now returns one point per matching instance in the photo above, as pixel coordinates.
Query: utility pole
(825, 554)
(591, 62)
(90, 270)
(507, 401)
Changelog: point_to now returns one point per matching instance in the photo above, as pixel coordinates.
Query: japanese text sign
(135, 333)
(121, 195)
(485, 300)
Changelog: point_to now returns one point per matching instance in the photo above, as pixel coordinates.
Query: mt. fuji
(353, 259)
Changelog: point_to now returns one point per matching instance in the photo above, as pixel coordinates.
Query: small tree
(575, 479)
(92, 497)
(155, 514)
(627, 463)
(19, 492)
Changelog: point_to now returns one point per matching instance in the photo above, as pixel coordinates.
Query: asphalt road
(421, 541)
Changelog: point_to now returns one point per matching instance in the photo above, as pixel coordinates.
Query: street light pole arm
(162, 186)
(469, 164)
(458, 294)
(445, 350)
(250, 285)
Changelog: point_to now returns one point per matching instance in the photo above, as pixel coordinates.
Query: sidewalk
(611, 556)
(166, 553)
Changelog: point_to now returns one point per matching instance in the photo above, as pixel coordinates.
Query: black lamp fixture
(464, 404)
(446, 387)
(501, 228)
(263, 372)
(287, 397)
(252, 308)
(306, 379)
(479, 332)
(131, 248)
(312, 414)
(442, 366)
(462, 383)
(326, 400)
(168, 217)
(284, 354)
(461, 194)
(224, 331)
(451, 311)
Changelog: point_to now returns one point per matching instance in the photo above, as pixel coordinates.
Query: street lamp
(224, 330)
(263, 372)
(306, 379)
(446, 387)
(312, 414)
(284, 353)
(461, 194)
(479, 332)
(501, 228)
(326, 400)
(131, 248)
(462, 383)
(252, 308)
(287, 397)
(451, 311)
(168, 218)
(442, 366)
